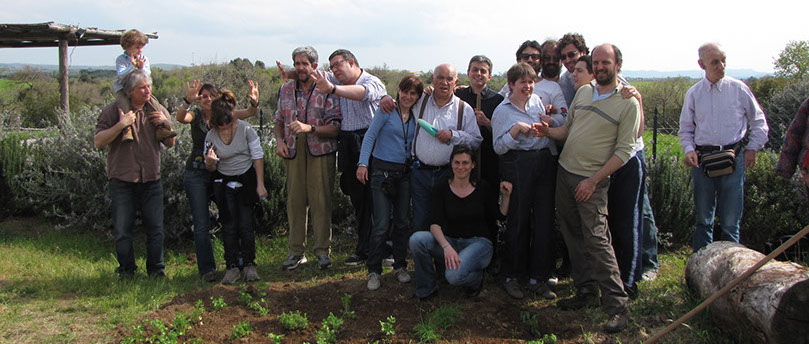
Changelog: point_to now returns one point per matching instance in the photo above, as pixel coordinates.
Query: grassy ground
(58, 287)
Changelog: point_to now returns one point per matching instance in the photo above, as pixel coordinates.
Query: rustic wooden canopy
(51, 34)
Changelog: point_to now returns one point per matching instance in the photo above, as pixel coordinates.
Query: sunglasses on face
(529, 56)
(569, 55)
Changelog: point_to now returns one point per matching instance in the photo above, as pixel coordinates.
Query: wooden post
(63, 80)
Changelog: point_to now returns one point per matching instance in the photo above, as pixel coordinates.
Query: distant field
(7, 83)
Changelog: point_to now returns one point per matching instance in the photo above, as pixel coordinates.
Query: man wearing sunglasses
(571, 46)
(546, 87)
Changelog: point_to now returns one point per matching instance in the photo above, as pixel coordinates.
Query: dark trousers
(127, 198)
(529, 236)
(422, 182)
(348, 154)
(238, 225)
(624, 206)
(385, 203)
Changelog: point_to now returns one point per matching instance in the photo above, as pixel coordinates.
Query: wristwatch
(312, 130)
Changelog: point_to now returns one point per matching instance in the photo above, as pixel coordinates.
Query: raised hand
(282, 71)
(253, 95)
(192, 90)
(322, 83)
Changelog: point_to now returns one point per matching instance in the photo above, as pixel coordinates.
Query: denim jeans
(197, 187)
(648, 257)
(348, 154)
(624, 219)
(725, 193)
(238, 226)
(474, 253)
(422, 182)
(382, 206)
(127, 198)
(529, 230)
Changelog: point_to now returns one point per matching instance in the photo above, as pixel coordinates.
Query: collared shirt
(568, 87)
(548, 91)
(135, 161)
(597, 97)
(429, 149)
(719, 114)
(357, 114)
(388, 138)
(507, 114)
(312, 108)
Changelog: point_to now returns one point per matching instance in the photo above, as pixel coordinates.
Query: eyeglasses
(569, 55)
(529, 56)
(333, 66)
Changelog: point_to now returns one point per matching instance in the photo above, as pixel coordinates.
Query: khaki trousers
(584, 227)
(309, 189)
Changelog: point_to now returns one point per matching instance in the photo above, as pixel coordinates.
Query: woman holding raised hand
(196, 178)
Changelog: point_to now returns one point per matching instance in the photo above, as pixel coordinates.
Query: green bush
(773, 206)
(13, 155)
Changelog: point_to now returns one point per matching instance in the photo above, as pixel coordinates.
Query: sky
(417, 35)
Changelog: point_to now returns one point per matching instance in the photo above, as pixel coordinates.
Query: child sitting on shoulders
(133, 42)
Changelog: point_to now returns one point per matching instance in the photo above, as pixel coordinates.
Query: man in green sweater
(600, 135)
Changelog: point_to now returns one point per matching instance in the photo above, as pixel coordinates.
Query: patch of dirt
(492, 317)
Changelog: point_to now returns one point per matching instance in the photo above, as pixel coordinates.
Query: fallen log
(768, 307)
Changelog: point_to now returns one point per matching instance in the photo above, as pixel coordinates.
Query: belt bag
(719, 163)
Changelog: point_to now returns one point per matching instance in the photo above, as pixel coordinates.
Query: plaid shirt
(796, 144)
(309, 107)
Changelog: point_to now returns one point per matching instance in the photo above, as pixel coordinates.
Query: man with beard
(570, 48)
(600, 134)
(541, 58)
(306, 127)
(548, 87)
(483, 100)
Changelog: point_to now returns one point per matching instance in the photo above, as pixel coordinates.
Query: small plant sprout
(218, 303)
(276, 338)
(293, 321)
(241, 330)
(387, 326)
(347, 312)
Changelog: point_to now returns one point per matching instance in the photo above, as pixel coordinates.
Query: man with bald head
(456, 124)
(717, 114)
(600, 134)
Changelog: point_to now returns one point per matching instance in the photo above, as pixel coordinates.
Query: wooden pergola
(51, 34)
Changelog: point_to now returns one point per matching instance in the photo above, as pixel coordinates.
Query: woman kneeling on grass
(236, 160)
(464, 211)
(387, 143)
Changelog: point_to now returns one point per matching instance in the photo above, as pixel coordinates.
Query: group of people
(465, 159)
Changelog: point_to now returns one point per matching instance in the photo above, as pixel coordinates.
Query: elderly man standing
(456, 124)
(601, 129)
(133, 168)
(717, 112)
(360, 93)
(306, 127)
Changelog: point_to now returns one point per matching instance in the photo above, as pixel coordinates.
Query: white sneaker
(401, 275)
(374, 281)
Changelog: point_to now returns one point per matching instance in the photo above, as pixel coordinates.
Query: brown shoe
(126, 134)
(617, 323)
(162, 133)
(512, 288)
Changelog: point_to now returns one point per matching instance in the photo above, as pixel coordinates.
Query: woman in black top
(464, 212)
(196, 179)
